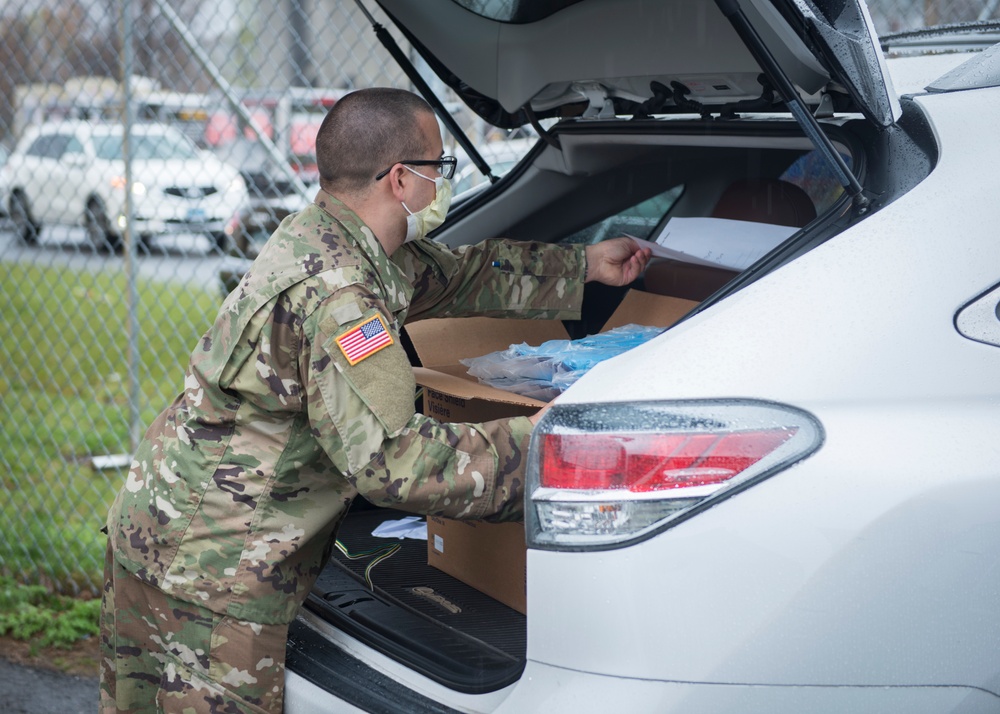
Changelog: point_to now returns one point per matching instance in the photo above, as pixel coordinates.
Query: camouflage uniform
(232, 504)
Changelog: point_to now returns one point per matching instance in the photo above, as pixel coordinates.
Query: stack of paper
(718, 242)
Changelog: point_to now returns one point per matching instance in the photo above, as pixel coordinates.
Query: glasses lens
(448, 164)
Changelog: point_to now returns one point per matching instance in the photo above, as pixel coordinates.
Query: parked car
(787, 501)
(272, 194)
(290, 118)
(73, 172)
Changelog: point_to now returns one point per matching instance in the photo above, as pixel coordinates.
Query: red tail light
(640, 462)
(605, 474)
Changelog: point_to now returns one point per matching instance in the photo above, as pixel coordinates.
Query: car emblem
(434, 597)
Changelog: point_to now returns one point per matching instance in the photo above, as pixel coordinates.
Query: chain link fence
(150, 147)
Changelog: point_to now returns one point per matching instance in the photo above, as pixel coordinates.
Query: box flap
(441, 341)
(454, 380)
(642, 308)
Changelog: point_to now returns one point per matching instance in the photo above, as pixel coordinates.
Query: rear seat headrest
(765, 201)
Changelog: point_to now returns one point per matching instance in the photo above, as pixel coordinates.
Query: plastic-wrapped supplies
(543, 372)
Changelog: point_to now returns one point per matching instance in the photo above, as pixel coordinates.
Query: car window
(638, 220)
(73, 146)
(146, 146)
(48, 146)
(108, 148)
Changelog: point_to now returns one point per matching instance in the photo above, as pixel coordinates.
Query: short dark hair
(366, 132)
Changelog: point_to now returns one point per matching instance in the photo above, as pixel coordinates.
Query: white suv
(790, 500)
(73, 172)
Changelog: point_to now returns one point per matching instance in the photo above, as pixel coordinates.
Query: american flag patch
(364, 340)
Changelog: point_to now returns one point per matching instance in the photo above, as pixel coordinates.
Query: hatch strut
(734, 13)
(414, 76)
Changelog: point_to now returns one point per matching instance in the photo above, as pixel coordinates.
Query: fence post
(129, 237)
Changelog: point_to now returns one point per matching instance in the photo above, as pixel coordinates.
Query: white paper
(408, 527)
(717, 242)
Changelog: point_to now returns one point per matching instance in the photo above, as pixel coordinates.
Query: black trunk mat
(451, 633)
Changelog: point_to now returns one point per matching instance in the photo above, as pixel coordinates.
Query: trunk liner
(453, 633)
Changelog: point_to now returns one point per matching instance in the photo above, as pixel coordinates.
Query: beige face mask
(422, 222)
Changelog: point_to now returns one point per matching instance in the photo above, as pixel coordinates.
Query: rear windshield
(515, 11)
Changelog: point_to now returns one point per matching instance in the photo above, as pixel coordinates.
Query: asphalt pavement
(183, 258)
(25, 690)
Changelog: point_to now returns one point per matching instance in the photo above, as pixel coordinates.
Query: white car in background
(789, 501)
(73, 173)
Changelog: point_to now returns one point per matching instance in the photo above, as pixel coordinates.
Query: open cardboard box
(450, 394)
(491, 557)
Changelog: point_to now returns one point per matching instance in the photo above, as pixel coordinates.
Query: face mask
(422, 222)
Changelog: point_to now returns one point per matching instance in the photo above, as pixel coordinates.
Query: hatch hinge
(753, 41)
(825, 108)
(599, 103)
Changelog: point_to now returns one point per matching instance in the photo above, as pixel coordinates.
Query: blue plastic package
(546, 370)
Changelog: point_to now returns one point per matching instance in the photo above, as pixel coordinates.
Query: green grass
(65, 391)
(46, 620)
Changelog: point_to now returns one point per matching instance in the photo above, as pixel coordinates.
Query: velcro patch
(364, 340)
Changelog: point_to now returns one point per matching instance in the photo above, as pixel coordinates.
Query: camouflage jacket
(237, 489)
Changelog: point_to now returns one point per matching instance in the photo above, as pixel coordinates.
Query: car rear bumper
(324, 678)
(552, 689)
(160, 226)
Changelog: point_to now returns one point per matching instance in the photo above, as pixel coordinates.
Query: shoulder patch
(364, 340)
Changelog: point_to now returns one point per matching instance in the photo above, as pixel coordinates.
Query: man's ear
(397, 179)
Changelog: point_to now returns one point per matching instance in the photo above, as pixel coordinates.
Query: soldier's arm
(363, 415)
(496, 278)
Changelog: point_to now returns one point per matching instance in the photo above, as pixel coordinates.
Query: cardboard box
(488, 556)
(491, 556)
(685, 280)
(450, 394)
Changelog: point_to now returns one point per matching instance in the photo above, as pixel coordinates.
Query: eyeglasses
(446, 165)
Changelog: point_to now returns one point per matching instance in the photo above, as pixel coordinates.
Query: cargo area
(417, 614)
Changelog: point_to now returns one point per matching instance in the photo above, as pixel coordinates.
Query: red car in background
(291, 120)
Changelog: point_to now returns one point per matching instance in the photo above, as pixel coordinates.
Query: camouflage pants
(161, 654)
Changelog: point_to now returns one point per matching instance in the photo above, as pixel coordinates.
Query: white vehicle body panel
(859, 332)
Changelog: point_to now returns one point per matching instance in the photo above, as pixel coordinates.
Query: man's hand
(618, 261)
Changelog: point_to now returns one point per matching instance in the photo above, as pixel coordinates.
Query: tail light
(603, 475)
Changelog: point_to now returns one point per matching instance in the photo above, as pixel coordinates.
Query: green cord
(381, 553)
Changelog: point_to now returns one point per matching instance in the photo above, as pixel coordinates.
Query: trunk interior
(437, 625)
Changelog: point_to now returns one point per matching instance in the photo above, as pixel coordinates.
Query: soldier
(299, 398)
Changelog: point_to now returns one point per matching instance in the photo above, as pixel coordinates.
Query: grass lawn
(65, 392)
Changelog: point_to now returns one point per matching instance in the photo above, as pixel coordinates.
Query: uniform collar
(396, 290)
